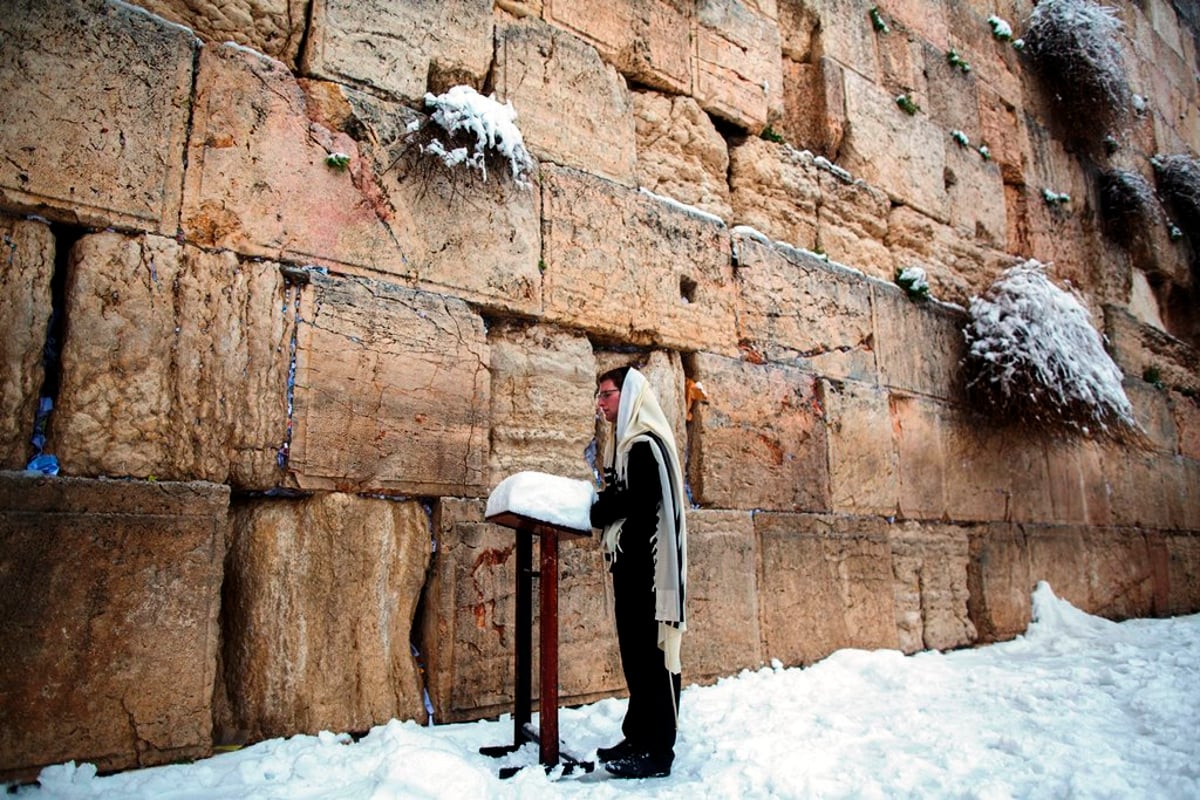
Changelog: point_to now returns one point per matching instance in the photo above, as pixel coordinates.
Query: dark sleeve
(638, 497)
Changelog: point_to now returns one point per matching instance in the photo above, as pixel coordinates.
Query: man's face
(608, 400)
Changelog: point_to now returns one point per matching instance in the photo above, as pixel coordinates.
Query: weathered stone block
(403, 49)
(175, 364)
(814, 106)
(272, 27)
(574, 109)
(458, 231)
(759, 442)
(902, 154)
(680, 153)
(863, 466)
(922, 17)
(1078, 487)
(1151, 409)
(957, 268)
(25, 309)
(1176, 560)
(845, 35)
(929, 566)
(1135, 347)
(917, 427)
(918, 344)
(954, 103)
(1185, 410)
(1103, 571)
(797, 309)
(978, 461)
(722, 596)
(999, 583)
(775, 189)
(257, 181)
(319, 605)
(647, 40)
(110, 602)
(852, 224)
(630, 266)
(115, 158)
(543, 383)
(1001, 129)
(975, 195)
(799, 26)
(826, 584)
(392, 391)
(469, 620)
(737, 69)
(1145, 489)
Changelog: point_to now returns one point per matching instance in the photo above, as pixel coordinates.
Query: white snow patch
(684, 207)
(548, 498)
(464, 110)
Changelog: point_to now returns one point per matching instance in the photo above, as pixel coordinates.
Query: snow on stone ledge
(560, 501)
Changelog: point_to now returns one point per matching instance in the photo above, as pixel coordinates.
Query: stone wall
(723, 193)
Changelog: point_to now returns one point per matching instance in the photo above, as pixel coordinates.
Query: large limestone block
(403, 49)
(737, 68)
(680, 153)
(1176, 559)
(975, 190)
(573, 109)
(175, 363)
(1152, 411)
(1103, 571)
(917, 425)
(957, 267)
(468, 625)
(852, 224)
(1078, 488)
(273, 27)
(1150, 490)
(953, 95)
(257, 182)
(634, 267)
(925, 19)
(826, 584)
(319, 606)
(775, 189)
(901, 154)
(76, 148)
(918, 344)
(25, 310)
(845, 35)
(999, 582)
(722, 596)
(796, 309)
(647, 40)
(392, 391)
(110, 603)
(864, 475)
(476, 236)
(760, 441)
(1185, 409)
(543, 396)
(814, 106)
(929, 565)
(1136, 347)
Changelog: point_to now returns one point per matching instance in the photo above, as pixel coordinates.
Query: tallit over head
(641, 418)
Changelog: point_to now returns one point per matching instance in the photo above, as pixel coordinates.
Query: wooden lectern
(547, 574)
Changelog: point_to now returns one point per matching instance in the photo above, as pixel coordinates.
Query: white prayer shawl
(638, 416)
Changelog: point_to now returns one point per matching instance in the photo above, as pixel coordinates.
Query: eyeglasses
(607, 392)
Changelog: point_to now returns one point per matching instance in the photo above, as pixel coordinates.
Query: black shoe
(639, 765)
(621, 749)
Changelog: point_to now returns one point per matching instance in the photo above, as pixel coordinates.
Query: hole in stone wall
(687, 288)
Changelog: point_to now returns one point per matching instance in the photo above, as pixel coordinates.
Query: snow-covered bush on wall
(1074, 47)
(1128, 206)
(469, 130)
(1178, 178)
(1033, 357)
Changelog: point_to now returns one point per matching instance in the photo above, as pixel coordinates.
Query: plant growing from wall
(1128, 207)
(877, 21)
(1073, 45)
(907, 104)
(914, 283)
(1001, 30)
(469, 130)
(1178, 179)
(957, 61)
(1034, 358)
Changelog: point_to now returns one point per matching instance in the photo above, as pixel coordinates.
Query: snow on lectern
(548, 506)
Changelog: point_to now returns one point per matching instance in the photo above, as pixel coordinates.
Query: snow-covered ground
(1078, 707)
